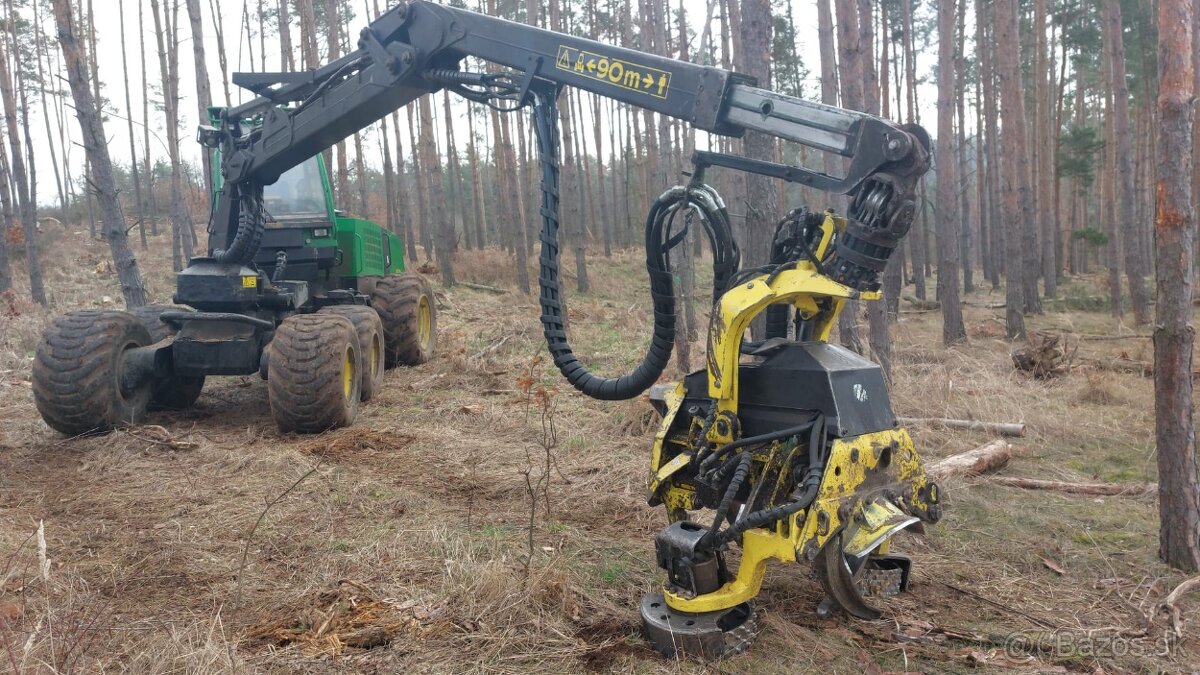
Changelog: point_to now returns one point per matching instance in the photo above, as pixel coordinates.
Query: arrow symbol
(591, 66)
(647, 81)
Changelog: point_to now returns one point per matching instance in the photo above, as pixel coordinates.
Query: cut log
(1098, 489)
(922, 304)
(483, 287)
(1002, 428)
(1128, 366)
(973, 462)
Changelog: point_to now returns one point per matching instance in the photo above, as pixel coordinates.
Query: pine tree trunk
(404, 212)
(389, 179)
(458, 201)
(850, 81)
(1174, 334)
(998, 234)
(877, 317)
(1017, 206)
(166, 31)
(95, 145)
(421, 180)
(41, 73)
(917, 237)
(307, 14)
(287, 57)
(1108, 209)
(333, 25)
(360, 172)
(476, 180)
(25, 204)
(203, 88)
(442, 219)
(1041, 121)
(948, 213)
(1031, 253)
(133, 154)
(214, 6)
(893, 274)
(5, 225)
(151, 205)
(1195, 127)
(1125, 176)
(964, 180)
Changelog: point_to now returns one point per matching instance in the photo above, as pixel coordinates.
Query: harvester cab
(785, 445)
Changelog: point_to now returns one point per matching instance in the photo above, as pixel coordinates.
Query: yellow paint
(874, 524)
(348, 374)
(424, 322)
(619, 72)
(872, 484)
(851, 462)
(250, 282)
(738, 306)
(758, 546)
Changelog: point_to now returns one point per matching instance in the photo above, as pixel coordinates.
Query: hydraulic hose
(754, 440)
(735, 484)
(659, 242)
(251, 224)
(808, 492)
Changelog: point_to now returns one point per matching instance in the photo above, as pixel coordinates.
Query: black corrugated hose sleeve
(251, 224)
(662, 288)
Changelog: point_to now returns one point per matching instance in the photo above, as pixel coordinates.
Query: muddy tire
(77, 372)
(370, 344)
(312, 373)
(176, 392)
(150, 315)
(406, 308)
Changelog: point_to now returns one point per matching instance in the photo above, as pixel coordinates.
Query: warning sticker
(624, 74)
(249, 282)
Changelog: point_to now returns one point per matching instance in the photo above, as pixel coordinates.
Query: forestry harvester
(316, 302)
(787, 443)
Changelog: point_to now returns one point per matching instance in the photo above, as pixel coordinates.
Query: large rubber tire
(312, 373)
(406, 307)
(77, 372)
(176, 392)
(149, 316)
(370, 344)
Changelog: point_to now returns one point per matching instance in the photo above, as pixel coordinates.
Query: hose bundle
(659, 242)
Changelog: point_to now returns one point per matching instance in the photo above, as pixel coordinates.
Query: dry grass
(405, 550)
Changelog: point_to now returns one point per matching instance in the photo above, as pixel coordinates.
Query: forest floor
(206, 541)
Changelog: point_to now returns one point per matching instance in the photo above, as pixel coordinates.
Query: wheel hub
(708, 636)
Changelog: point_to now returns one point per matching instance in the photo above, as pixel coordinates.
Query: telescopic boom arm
(418, 47)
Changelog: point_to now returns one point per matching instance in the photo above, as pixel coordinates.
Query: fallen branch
(237, 598)
(922, 304)
(1098, 489)
(1003, 428)
(973, 462)
(1122, 365)
(1168, 604)
(986, 305)
(1100, 338)
(483, 287)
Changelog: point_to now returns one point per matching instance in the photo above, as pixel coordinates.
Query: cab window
(297, 194)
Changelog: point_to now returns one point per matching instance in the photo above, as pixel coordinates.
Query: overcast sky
(109, 25)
